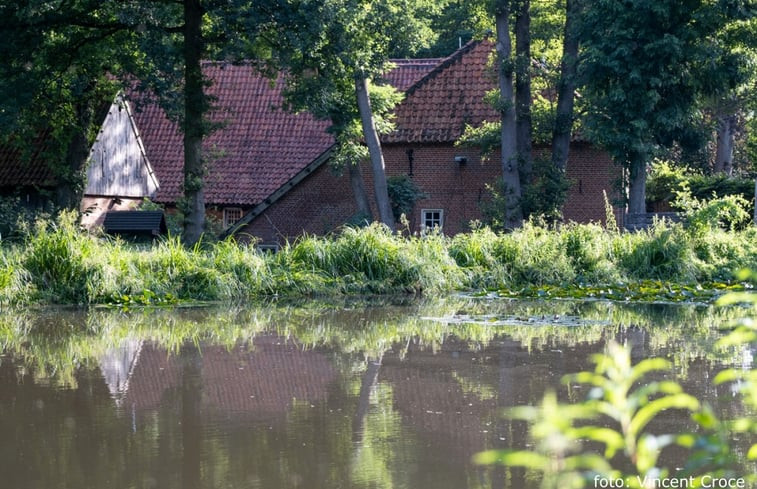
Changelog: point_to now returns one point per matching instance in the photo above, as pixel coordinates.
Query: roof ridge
(443, 64)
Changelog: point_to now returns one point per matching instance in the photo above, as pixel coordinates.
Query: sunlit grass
(57, 263)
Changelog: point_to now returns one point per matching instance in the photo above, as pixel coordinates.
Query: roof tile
(440, 104)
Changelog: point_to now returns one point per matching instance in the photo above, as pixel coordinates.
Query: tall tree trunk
(191, 418)
(367, 384)
(637, 184)
(358, 190)
(374, 148)
(724, 150)
(70, 188)
(69, 191)
(563, 130)
(510, 172)
(523, 130)
(755, 202)
(195, 107)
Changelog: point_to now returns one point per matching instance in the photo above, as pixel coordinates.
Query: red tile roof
(408, 71)
(260, 147)
(439, 105)
(17, 170)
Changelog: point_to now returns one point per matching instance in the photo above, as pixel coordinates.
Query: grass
(58, 264)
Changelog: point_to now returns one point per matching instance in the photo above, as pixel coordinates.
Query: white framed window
(231, 215)
(431, 218)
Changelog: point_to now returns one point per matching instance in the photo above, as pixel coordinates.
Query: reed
(57, 263)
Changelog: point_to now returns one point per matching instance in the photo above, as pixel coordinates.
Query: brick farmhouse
(268, 173)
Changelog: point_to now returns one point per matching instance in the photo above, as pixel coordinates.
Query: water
(312, 396)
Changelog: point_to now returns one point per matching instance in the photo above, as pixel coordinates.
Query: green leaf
(612, 439)
(752, 453)
(727, 376)
(648, 412)
(520, 458)
(739, 336)
(649, 365)
(732, 298)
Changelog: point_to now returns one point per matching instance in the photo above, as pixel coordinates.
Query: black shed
(138, 224)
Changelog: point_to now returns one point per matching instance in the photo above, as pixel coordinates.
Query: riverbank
(60, 265)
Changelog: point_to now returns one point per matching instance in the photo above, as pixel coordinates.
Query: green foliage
(15, 217)
(622, 401)
(61, 264)
(403, 193)
(666, 180)
(57, 260)
(634, 55)
(542, 198)
(617, 415)
(729, 212)
(485, 137)
(545, 194)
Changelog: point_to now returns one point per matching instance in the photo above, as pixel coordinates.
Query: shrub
(666, 181)
(662, 252)
(403, 194)
(56, 259)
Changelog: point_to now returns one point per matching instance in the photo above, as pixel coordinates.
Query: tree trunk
(70, 187)
(367, 384)
(68, 193)
(374, 148)
(195, 107)
(724, 151)
(358, 190)
(523, 125)
(191, 418)
(563, 130)
(510, 172)
(637, 188)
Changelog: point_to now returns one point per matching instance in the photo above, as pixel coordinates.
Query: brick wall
(324, 201)
(320, 203)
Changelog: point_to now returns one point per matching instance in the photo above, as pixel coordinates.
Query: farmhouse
(268, 173)
(436, 109)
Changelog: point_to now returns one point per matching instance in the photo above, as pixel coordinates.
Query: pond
(347, 395)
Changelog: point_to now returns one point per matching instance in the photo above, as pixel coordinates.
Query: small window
(268, 248)
(231, 215)
(431, 218)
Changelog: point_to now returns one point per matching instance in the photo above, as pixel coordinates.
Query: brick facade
(317, 205)
(324, 201)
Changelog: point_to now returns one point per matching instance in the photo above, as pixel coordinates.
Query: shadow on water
(317, 396)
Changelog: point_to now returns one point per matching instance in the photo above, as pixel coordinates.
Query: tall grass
(60, 264)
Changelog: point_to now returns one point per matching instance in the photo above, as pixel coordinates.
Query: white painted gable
(118, 166)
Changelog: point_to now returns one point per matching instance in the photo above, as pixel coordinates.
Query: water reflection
(318, 396)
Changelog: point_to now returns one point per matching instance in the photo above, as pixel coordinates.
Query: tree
(735, 49)
(563, 123)
(174, 39)
(53, 65)
(454, 24)
(509, 155)
(644, 64)
(523, 124)
(63, 51)
(331, 49)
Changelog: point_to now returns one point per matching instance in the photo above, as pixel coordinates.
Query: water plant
(607, 439)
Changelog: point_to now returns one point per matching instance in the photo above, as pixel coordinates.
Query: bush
(666, 181)
(15, 216)
(56, 259)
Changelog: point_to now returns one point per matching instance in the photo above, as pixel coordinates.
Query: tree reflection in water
(314, 396)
